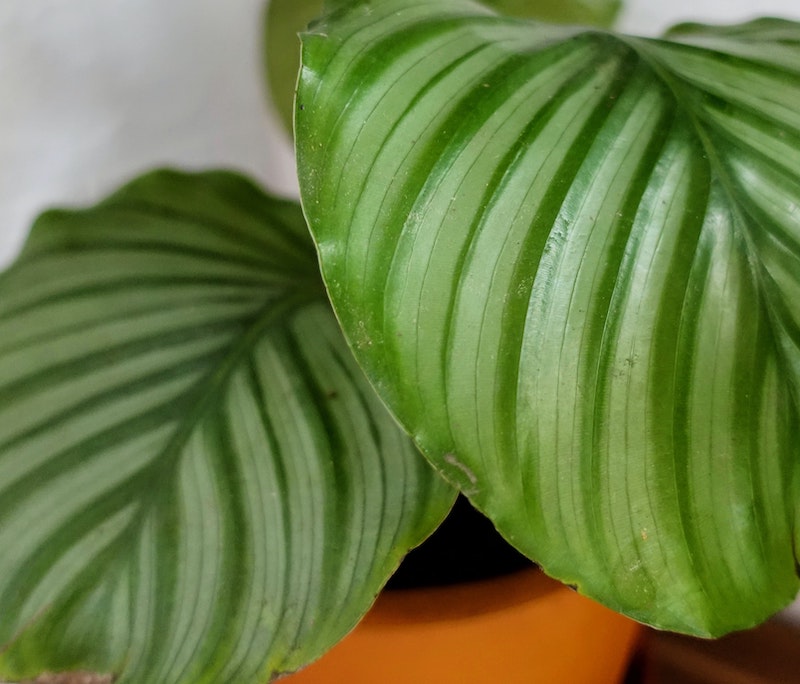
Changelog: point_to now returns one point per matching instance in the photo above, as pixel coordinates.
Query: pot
(519, 628)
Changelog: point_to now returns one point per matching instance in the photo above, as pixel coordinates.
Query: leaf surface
(197, 484)
(284, 19)
(570, 263)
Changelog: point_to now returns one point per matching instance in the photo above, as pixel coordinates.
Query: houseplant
(686, 139)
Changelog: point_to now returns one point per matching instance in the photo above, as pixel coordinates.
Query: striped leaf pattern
(197, 484)
(585, 12)
(570, 263)
(285, 18)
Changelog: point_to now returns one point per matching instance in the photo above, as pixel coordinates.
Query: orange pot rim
(464, 600)
(513, 629)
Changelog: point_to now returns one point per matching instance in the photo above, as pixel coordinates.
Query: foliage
(284, 19)
(569, 262)
(196, 482)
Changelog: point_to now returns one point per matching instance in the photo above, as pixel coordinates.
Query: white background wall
(93, 92)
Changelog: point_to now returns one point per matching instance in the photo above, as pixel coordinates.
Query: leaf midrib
(682, 98)
(157, 478)
(213, 384)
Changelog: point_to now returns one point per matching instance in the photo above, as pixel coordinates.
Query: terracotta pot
(519, 628)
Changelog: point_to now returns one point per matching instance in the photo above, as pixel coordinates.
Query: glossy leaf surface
(584, 12)
(570, 263)
(284, 19)
(197, 484)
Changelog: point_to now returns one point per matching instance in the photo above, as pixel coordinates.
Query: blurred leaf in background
(197, 483)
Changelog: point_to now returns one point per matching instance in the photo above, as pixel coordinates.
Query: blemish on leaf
(452, 460)
(362, 338)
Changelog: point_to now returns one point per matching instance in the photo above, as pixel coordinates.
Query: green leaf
(585, 12)
(284, 19)
(196, 482)
(570, 263)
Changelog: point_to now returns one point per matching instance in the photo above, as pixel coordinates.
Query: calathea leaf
(284, 19)
(196, 482)
(570, 263)
(585, 12)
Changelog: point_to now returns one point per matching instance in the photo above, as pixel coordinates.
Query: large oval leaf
(196, 482)
(570, 263)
